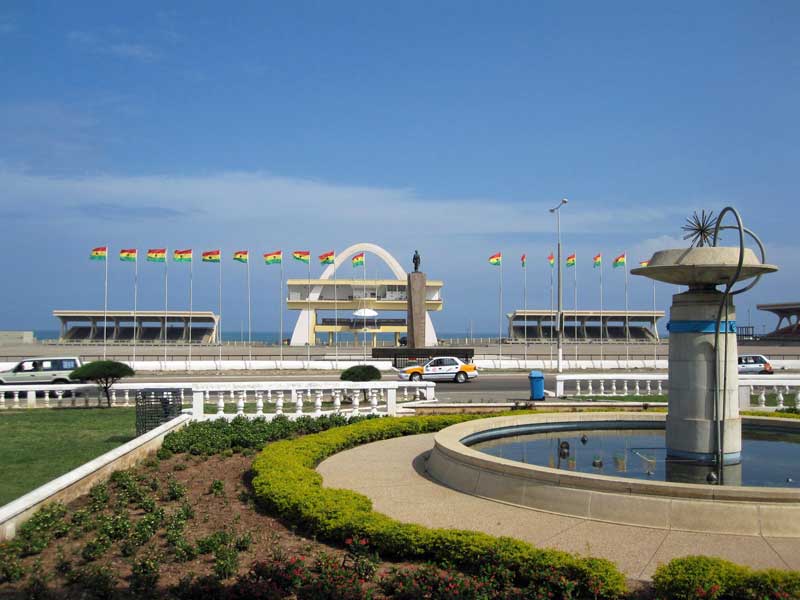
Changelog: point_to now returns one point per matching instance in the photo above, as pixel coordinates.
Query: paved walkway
(392, 474)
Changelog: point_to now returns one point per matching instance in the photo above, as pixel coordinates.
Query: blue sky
(448, 127)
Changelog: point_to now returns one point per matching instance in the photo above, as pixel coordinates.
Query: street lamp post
(559, 318)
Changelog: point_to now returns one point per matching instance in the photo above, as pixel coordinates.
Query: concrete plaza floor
(392, 474)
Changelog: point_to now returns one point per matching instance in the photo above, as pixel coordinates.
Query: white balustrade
(779, 397)
(381, 397)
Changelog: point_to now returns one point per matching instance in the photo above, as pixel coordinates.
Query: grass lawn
(41, 444)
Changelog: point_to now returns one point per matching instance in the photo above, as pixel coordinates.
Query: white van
(41, 370)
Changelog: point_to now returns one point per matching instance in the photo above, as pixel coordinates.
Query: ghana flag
(241, 255)
(99, 253)
(644, 263)
(619, 261)
(496, 259)
(598, 260)
(524, 260)
(212, 256)
(571, 260)
(182, 256)
(128, 255)
(302, 255)
(157, 255)
(326, 259)
(358, 260)
(273, 258)
(552, 260)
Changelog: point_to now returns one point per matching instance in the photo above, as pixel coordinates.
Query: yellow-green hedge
(286, 483)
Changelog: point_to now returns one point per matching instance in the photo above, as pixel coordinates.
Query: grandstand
(86, 326)
(585, 325)
(788, 327)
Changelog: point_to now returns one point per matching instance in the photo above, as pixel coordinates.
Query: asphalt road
(502, 382)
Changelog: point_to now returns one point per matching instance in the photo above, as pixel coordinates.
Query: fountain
(652, 469)
(703, 424)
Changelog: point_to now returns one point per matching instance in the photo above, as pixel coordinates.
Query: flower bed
(285, 482)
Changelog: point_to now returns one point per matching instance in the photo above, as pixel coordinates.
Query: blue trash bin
(537, 385)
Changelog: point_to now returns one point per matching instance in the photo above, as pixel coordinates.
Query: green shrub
(204, 438)
(11, 568)
(97, 582)
(115, 527)
(211, 543)
(36, 533)
(145, 573)
(175, 489)
(285, 483)
(95, 548)
(694, 577)
(360, 373)
(217, 488)
(98, 497)
(226, 562)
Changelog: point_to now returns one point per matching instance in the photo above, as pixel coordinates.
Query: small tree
(104, 373)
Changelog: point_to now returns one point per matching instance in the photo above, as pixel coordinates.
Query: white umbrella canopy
(365, 312)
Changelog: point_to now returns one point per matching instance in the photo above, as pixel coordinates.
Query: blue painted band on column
(700, 326)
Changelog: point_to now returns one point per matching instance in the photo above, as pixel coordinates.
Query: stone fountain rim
(449, 441)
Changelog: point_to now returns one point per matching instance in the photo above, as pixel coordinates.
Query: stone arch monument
(300, 334)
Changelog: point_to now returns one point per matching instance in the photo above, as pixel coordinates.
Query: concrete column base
(691, 432)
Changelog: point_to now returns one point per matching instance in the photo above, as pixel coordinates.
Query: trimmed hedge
(360, 373)
(212, 437)
(713, 578)
(286, 483)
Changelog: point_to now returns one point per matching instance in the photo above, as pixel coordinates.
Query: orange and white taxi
(441, 368)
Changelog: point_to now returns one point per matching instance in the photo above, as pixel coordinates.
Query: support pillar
(416, 286)
(690, 429)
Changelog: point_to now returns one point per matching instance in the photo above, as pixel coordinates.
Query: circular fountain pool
(619, 475)
(769, 458)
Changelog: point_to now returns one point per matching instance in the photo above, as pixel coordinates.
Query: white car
(754, 364)
(441, 368)
(41, 370)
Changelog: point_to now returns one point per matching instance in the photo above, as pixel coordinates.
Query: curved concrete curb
(684, 507)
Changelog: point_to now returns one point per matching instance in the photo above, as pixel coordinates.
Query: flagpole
(335, 313)
(135, 300)
(627, 319)
(219, 303)
(552, 320)
(525, 308)
(249, 314)
(166, 301)
(308, 314)
(191, 283)
(364, 342)
(575, 276)
(280, 304)
(500, 322)
(601, 312)
(105, 303)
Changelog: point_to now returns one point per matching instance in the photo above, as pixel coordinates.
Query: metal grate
(155, 407)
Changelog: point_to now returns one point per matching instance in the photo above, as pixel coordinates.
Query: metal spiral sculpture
(700, 229)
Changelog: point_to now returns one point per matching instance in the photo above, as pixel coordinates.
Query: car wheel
(461, 377)
(416, 377)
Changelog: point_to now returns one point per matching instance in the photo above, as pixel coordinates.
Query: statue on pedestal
(417, 260)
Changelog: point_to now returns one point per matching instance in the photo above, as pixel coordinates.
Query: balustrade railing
(229, 399)
(613, 384)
